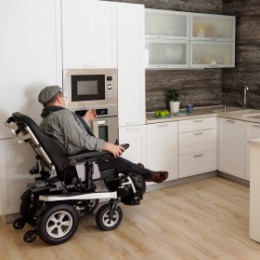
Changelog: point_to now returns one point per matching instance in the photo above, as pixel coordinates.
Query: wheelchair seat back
(56, 153)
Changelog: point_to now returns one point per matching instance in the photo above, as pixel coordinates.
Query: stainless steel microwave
(90, 88)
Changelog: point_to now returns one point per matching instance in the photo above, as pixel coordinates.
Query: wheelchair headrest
(55, 150)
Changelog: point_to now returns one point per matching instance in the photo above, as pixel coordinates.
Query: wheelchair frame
(54, 206)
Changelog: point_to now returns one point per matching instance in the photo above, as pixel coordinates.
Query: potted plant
(173, 97)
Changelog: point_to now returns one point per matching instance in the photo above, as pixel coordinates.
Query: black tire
(19, 223)
(103, 220)
(57, 224)
(29, 236)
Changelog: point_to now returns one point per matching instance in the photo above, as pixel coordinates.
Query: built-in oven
(94, 89)
(105, 126)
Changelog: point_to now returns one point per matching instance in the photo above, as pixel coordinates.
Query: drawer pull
(162, 125)
(198, 155)
(230, 121)
(198, 121)
(198, 133)
(257, 126)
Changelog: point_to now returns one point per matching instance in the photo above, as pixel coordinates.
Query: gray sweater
(65, 127)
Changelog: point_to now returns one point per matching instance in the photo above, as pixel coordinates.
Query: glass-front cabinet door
(212, 54)
(212, 27)
(166, 54)
(166, 24)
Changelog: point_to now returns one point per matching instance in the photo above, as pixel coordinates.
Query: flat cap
(48, 93)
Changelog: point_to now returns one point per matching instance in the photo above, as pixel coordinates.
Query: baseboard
(152, 187)
(9, 218)
(233, 178)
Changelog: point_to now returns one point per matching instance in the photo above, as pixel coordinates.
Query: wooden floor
(206, 219)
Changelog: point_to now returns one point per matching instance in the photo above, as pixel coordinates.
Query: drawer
(197, 163)
(197, 124)
(197, 141)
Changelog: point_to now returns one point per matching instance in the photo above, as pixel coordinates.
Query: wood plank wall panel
(247, 67)
(199, 87)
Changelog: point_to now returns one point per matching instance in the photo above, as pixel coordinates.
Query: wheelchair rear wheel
(58, 224)
(107, 221)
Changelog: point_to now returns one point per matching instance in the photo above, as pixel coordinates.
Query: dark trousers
(122, 165)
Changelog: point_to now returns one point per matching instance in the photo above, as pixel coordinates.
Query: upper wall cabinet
(166, 24)
(167, 39)
(188, 40)
(212, 41)
(89, 34)
(210, 54)
(212, 27)
(161, 53)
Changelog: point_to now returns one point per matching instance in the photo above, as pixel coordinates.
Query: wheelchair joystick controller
(125, 146)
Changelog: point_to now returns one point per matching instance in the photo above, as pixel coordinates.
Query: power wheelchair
(58, 197)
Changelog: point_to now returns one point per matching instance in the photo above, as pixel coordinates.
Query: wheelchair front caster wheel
(29, 236)
(105, 220)
(19, 223)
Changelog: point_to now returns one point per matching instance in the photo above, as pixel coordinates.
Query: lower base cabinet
(161, 148)
(15, 162)
(197, 163)
(252, 131)
(231, 147)
(135, 136)
(197, 146)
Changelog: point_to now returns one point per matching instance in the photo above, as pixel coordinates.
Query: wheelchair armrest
(91, 156)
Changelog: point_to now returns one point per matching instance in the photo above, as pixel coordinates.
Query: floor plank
(206, 219)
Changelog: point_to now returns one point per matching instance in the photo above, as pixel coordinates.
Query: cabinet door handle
(132, 123)
(162, 125)
(198, 133)
(132, 129)
(197, 155)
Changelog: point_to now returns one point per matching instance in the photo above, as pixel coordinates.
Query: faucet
(246, 88)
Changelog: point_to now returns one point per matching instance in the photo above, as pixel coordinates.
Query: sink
(254, 115)
(244, 112)
(237, 111)
(240, 112)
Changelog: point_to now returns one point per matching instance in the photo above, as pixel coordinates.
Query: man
(73, 133)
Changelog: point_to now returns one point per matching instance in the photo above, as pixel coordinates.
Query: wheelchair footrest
(132, 200)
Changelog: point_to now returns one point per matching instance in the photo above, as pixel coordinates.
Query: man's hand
(116, 150)
(90, 115)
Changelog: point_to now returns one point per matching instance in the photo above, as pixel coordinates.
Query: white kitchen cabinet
(166, 24)
(212, 41)
(252, 131)
(166, 44)
(89, 34)
(30, 49)
(131, 74)
(188, 40)
(197, 146)
(165, 54)
(231, 147)
(162, 148)
(212, 27)
(136, 137)
(207, 54)
(15, 162)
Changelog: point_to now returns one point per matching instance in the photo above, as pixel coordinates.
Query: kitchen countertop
(238, 113)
